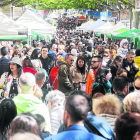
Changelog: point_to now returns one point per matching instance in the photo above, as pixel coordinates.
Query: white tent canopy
(30, 20)
(104, 27)
(118, 26)
(8, 26)
(53, 15)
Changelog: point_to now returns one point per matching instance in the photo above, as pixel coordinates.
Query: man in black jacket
(4, 65)
(47, 63)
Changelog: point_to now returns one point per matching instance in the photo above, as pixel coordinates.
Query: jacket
(30, 103)
(65, 83)
(90, 80)
(4, 65)
(75, 132)
(137, 62)
(47, 63)
(122, 52)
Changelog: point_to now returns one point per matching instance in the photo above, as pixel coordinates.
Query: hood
(27, 103)
(122, 42)
(137, 61)
(87, 54)
(29, 69)
(61, 62)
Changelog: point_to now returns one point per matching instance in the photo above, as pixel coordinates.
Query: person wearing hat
(10, 80)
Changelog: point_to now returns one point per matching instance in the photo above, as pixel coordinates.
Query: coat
(65, 82)
(75, 132)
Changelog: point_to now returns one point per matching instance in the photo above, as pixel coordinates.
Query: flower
(8, 79)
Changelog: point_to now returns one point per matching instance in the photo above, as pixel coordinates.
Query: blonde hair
(132, 102)
(38, 93)
(109, 104)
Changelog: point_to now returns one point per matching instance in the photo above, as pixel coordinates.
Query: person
(36, 53)
(95, 64)
(9, 81)
(136, 83)
(127, 127)
(79, 71)
(26, 101)
(101, 51)
(16, 54)
(108, 108)
(121, 72)
(4, 65)
(121, 88)
(61, 51)
(7, 113)
(47, 63)
(24, 123)
(24, 50)
(102, 83)
(52, 53)
(136, 60)
(65, 83)
(24, 136)
(74, 53)
(117, 62)
(55, 100)
(76, 110)
(123, 49)
(53, 77)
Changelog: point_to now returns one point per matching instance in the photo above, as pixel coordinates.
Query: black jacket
(47, 63)
(4, 65)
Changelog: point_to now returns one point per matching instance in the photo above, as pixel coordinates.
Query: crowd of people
(74, 87)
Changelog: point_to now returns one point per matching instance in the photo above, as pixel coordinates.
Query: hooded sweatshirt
(30, 103)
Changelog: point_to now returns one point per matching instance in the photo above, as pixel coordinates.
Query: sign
(137, 5)
(4, 43)
(17, 12)
(125, 14)
(103, 15)
(6, 10)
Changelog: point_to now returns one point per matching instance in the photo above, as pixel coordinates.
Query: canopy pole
(131, 18)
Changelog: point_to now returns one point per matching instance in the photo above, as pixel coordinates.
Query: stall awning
(13, 37)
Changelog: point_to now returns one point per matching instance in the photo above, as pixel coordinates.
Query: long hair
(82, 70)
(118, 58)
(27, 62)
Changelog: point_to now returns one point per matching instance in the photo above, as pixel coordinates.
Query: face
(44, 52)
(118, 63)
(130, 58)
(125, 45)
(54, 47)
(70, 60)
(29, 52)
(60, 50)
(95, 64)
(24, 50)
(13, 67)
(123, 74)
(80, 63)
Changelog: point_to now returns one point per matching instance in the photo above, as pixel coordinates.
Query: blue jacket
(75, 132)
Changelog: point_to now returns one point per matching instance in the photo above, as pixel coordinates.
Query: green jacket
(65, 82)
(29, 103)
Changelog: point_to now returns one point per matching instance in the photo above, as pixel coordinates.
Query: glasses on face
(94, 61)
(138, 88)
(72, 60)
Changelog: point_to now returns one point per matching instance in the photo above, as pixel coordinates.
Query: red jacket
(29, 69)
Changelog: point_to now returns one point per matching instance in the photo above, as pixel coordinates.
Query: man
(95, 64)
(61, 50)
(53, 52)
(27, 102)
(47, 63)
(65, 82)
(76, 110)
(24, 50)
(121, 87)
(136, 84)
(4, 61)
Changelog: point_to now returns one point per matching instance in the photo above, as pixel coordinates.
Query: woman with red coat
(54, 72)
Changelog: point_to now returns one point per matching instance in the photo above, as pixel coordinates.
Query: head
(16, 54)
(137, 52)
(27, 83)
(136, 83)
(36, 54)
(76, 110)
(24, 136)
(4, 51)
(100, 49)
(29, 51)
(121, 72)
(124, 43)
(35, 64)
(8, 112)
(69, 59)
(54, 47)
(58, 58)
(44, 51)
(81, 64)
(24, 123)
(127, 127)
(61, 49)
(96, 62)
(112, 53)
(40, 78)
(108, 104)
(24, 50)
(16, 48)
(121, 85)
(27, 62)
(117, 61)
(74, 52)
(55, 98)
(130, 56)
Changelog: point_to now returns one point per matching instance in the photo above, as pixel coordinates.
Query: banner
(114, 14)
(137, 5)
(125, 14)
(103, 15)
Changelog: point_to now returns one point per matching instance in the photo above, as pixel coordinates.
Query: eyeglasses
(72, 60)
(94, 61)
(138, 88)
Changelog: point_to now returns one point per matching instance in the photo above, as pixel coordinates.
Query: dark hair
(100, 59)
(27, 49)
(35, 53)
(16, 53)
(24, 123)
(119, 71)
(89, 49)
(4, 51)
(118, 58)
(82, 70)
(77, 108)
(126, 126)
(137, 52)
(130, 52)
(45, 46)
(119, 83)
(27, 62)
(8, 111)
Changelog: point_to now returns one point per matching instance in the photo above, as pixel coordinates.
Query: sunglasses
(94, 61)
(138, 88)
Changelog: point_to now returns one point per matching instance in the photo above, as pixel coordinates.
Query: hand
(127, 68)
(135, 66)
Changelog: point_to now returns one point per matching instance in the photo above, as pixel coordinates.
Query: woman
(117, 62)
(16, 54)
(79, 71)
(10, 81)
(54, 72)
(36, 53)
(8, 112)
(107, 108)
(102, 83)
(121, 72)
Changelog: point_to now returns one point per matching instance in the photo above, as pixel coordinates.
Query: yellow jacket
(137, 62)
